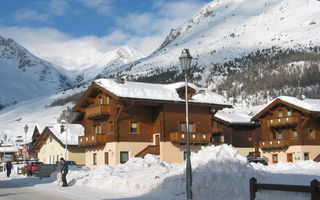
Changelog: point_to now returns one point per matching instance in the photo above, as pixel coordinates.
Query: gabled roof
(74, 131)
(149, 91)
(305, 105)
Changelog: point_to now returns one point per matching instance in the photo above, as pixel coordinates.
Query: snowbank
(218, 172)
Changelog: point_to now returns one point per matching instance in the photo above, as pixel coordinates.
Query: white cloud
(29, 15)
(102, 6)
(58, 7)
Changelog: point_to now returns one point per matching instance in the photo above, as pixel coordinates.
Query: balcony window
(99, 129)
(279, 135)
(134, 127)
(124, 156)
(181, 127)
(108, 100)
(95, 129)
(275, 158)
(280, 113)
(289, 113)
(294, 134)
(311, 134)
(101, 100)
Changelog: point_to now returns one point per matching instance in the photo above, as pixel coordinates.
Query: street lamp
(25, 147)
(185, 61)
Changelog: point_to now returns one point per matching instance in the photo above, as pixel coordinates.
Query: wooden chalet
(234, 126)
(126, 119)
(51, 144)
(290, 129)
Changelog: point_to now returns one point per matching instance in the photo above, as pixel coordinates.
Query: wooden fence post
(315, 184)
(253, 189)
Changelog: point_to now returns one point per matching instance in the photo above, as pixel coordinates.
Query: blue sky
(70, 29)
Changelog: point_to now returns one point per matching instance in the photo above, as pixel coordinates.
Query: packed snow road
(9, 190)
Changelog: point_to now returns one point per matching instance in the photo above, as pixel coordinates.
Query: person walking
(8, 167)
(64, 171)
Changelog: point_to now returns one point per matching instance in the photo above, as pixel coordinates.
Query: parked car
(33, 167)
(258, 160)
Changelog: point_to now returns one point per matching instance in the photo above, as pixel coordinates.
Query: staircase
(151, 149)
(317, 159)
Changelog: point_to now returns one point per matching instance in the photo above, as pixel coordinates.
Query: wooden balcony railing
(150, 149)
(216, 130)
(95, 140)
(283, 122)
(195, 138)
(274, 144)
(99, 111)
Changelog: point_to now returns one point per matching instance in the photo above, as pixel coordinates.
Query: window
(306, 156)
(134, 127)
(111, 127)
(250, 138)
(222, 139)
(294, 134)
(181, 127)
(279, 135)
(275, 158)
(101, 100)
(289, 113)
(108, 100)
(124, 156)
(99, 126)
(191, 127)
(274, 136)
(311, 134)
(94, 158)
(280, 113)
(95, 129)
(185, 155)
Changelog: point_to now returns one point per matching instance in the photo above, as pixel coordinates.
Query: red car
(33, 167)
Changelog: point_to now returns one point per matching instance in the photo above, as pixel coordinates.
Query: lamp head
(185, 60)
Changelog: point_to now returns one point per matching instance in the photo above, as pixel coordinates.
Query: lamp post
(25, 147)
(185, 61)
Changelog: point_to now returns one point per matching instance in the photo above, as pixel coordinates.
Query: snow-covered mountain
(24, 76)
(226, 29)
(109, 62)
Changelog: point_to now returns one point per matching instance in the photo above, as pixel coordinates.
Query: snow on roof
(235, 115)
(166, 92)
(312, 105)
(307, 104)
(73, 132)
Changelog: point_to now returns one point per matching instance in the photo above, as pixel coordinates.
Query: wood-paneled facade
(138, 126)
(245, 136)
(289, 131)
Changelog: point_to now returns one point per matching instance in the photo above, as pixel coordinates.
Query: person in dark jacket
(8, 167)
(64, 171)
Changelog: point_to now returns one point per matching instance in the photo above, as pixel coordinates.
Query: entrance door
(289, 157)
(106, 158)
(157, 137)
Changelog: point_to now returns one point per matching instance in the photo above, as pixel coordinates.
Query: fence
(314, 188)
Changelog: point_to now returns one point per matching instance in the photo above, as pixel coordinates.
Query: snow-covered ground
(219, 172)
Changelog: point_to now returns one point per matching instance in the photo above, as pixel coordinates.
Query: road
(9, 190)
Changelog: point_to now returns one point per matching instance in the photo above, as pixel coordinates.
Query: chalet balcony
(195, 138)
(98, 112)
(217, 130)
(95, 140)
(274, 144)
(284, 122)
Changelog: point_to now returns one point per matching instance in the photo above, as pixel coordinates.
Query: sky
(62, 30)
